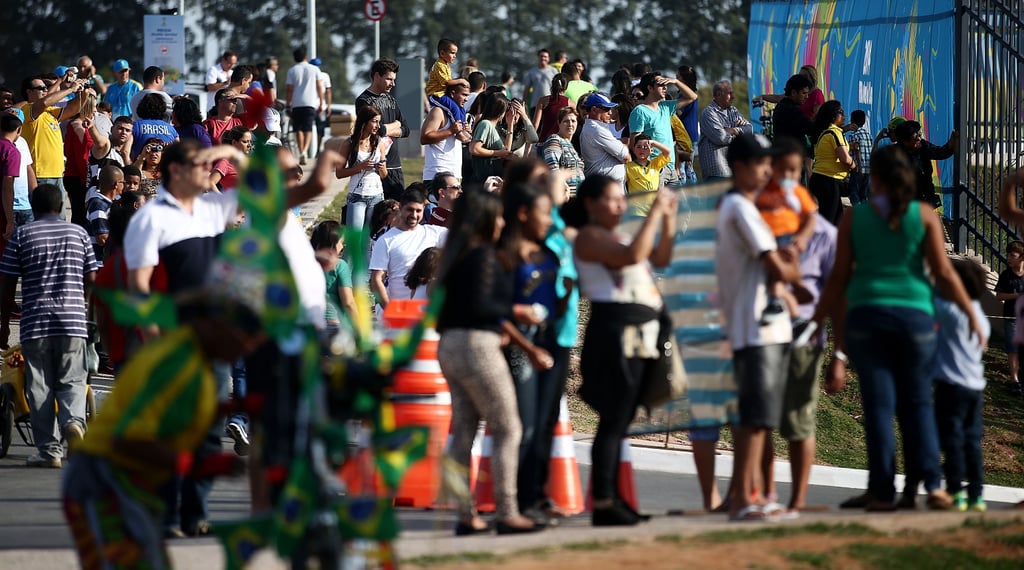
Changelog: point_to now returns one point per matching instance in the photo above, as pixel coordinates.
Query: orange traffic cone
(484, 491)
(359, 472)
(627, 486)
(446, 500)
(563, 487)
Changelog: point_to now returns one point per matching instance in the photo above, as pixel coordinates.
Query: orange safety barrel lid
(405, 313)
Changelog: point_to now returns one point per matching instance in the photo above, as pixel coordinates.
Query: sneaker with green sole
(960, 501)
(977, 505)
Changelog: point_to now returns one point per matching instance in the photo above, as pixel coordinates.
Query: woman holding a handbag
(628, 327)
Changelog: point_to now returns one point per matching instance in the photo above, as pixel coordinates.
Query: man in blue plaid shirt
(860, 147)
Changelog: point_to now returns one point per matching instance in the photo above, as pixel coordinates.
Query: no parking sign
(374, 10)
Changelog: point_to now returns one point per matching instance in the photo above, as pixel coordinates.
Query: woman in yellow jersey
(832, 160)
(643, 173)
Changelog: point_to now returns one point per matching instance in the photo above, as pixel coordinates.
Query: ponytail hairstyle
(893, 175)
(827, 114)
(559, 83)
(515, 198)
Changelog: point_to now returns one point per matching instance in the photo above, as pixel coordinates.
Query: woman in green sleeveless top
(887, 323)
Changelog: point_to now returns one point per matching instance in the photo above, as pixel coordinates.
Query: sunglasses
(37, 88)
(455, 187)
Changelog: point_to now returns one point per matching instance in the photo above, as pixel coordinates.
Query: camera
(71, 71)
(156, 148)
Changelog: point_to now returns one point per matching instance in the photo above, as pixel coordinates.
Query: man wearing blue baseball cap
(120, 93)
(602, 152)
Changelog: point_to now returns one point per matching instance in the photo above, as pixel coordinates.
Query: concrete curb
(681, 462)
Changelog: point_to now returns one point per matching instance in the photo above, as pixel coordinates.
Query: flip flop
(779, 511)
(750, 513)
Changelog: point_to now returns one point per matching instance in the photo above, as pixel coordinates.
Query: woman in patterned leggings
(478, 309)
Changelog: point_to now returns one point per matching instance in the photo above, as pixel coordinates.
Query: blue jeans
(238, 393)
(859, 187)
(893, 350)
(360, 210)
(958, 415)
(538, 394)
(22, 217)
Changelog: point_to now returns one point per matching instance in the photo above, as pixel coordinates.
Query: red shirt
(107, 279)
(77, 153)
(216, 127)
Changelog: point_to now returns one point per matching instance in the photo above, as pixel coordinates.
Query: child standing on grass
(960, 390)
(1008, 290)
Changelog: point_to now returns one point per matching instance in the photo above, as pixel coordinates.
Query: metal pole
(376, 40)
(314, 143)
(181, 7)
(311, 28)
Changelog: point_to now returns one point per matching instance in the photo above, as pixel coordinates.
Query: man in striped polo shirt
(56, 262)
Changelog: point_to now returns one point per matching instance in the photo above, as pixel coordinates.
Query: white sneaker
(237, 433)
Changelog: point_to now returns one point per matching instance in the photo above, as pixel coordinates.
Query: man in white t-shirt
(746, 254)
(305, 98)
(219, 75)
(396, 250)
(323, 118)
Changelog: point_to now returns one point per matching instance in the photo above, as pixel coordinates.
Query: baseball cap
(598, 99)
(746, 147)
(121, 65)
(896, 121)
(60, 71)
(17, 113)
(316, 61)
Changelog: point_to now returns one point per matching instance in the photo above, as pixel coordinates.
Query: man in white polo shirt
(396, 250)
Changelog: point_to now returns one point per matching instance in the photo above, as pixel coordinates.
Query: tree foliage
(502, 35)
(40, 35)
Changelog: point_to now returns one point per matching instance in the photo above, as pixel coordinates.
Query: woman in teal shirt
(888, 326)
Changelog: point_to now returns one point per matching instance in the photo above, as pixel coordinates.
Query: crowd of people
(516, 216)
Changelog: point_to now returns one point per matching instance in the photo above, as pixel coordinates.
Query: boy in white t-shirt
(746, 254)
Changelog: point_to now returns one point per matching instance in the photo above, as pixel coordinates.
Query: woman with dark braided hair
(887, 324)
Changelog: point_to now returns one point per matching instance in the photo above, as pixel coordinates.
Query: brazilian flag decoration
(252, 263)
(372, 518)
(397, 450)
(133, 309)
(242, 539)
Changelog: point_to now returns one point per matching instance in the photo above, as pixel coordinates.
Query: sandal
(750, 513)
(780, 512)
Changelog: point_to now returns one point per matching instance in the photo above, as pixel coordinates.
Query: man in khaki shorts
(800, 400)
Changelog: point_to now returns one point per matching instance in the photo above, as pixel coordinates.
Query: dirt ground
(975, 543)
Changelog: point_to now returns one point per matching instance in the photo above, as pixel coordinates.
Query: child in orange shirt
(789, 210)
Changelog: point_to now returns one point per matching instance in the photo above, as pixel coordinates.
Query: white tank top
(366, 182)
(443, 156)
(630, 284)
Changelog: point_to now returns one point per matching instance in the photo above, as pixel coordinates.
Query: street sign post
(374, 10)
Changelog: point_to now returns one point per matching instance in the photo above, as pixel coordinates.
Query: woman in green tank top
(887, 324)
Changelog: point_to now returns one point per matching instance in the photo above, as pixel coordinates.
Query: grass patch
(770, 532)
(1011, 540)
(989, 523)
(924, 556)
(672, 538)
(594, 544)
(447, 559)
(812, 559)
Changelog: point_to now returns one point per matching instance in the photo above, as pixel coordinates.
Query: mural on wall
(887, 57)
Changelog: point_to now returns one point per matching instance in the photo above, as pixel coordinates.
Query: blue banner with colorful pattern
(886, 57)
